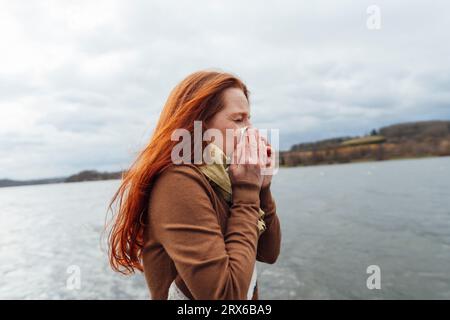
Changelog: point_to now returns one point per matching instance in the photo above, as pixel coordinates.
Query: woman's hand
(247, 164)
(267, 162)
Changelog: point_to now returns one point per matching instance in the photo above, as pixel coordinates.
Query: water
(336, 221)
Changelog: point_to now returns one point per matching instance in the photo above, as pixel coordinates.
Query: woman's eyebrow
(240, 113)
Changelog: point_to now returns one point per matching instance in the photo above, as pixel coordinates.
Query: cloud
(82, 83)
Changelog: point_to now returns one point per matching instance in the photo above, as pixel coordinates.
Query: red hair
(197, 97)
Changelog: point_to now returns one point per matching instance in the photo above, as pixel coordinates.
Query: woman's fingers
(253, 148)
(265, 152)
(263, 138)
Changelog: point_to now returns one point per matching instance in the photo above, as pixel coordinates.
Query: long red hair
(197, 97)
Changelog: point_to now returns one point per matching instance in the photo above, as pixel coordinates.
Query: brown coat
(196, 238)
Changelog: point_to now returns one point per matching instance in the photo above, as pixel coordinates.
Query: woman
(196, 230)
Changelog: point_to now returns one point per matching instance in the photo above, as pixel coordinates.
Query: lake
(336, 221)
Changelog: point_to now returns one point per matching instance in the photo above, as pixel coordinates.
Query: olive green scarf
(217, 174)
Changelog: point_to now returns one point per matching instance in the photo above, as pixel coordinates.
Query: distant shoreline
(27, 183)
(86, 175)
(412, 140)
(365, 161)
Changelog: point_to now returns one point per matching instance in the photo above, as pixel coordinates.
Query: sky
(82, 83)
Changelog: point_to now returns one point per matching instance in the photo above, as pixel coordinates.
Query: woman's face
(234, 115)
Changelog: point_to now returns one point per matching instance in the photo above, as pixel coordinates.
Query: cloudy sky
(82, 82)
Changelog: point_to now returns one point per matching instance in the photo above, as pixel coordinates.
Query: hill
(404, 140)
(87, 175)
